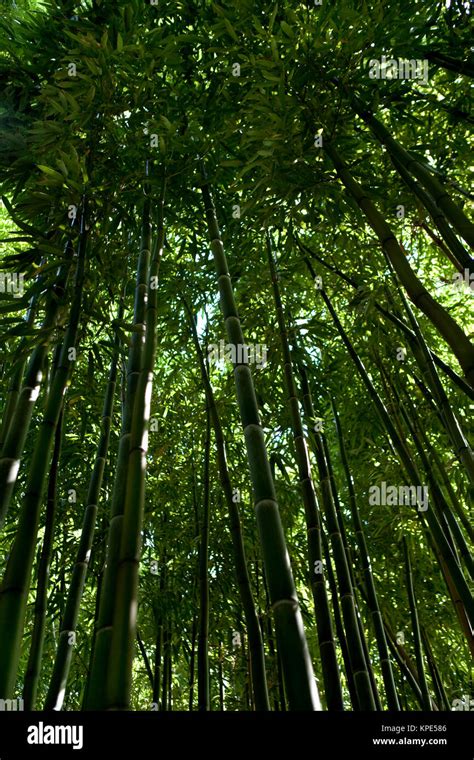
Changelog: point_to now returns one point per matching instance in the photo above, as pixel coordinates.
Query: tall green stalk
(21, 412)
(33, 668)
(362, 683)
(372, 600)
(125, 593)
(451, 423)
(454, 248)
(67, 634)
(435, 188)
(327, 648)
(347, 550)
(437, 533)
(204, 699)
(454, 336)
(16, 581)
(257, 655)
(390, 316)
(300, 683)
(416, 628)
(18, 369)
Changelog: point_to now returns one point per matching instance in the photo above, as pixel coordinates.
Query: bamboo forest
(236, 356)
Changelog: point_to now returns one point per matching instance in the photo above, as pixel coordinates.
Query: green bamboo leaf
(51, 172)
(287, 29)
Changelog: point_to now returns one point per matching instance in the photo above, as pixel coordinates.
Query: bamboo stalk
(454, 248)
(330, 668)
(339, 626)
(340, 522)
(454, 336)
(16, 581)
(33, 668)
(15, 384)
(372, 600)
(389, 315)
(434, 671)
(451, 423)
(300, 683)
(363, 686)
(257, 655)
(16, 430)
(126, 586)
(416, 629)
(67, 635)
(454, 214)
(204, 701)
(436, 532)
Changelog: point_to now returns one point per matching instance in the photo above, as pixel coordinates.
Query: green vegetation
(186, 523)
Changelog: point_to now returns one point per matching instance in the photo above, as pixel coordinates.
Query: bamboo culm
(372, 600)
(67, 635)
(16, 581)
(300, 684)
(257, 656)
(126, 586)
(33, 668)
(416, 628)
(448, 328)
(327, 648)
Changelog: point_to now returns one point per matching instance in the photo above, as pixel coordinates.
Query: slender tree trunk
(330, 668)
(449, 244)
(340, 627)
(18, 415)
(457, 340)
(405, 458)
(146, 661)
(388, 315)
(192, 664)
(435, 674)
(16, 581)
(385, 664)
(67, 635)
(416, 629)
(300, 683)
(257, 655)
(454, 214)
(33, 669)
(204, 703)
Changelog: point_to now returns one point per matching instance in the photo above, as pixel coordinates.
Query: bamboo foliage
(182, 531)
